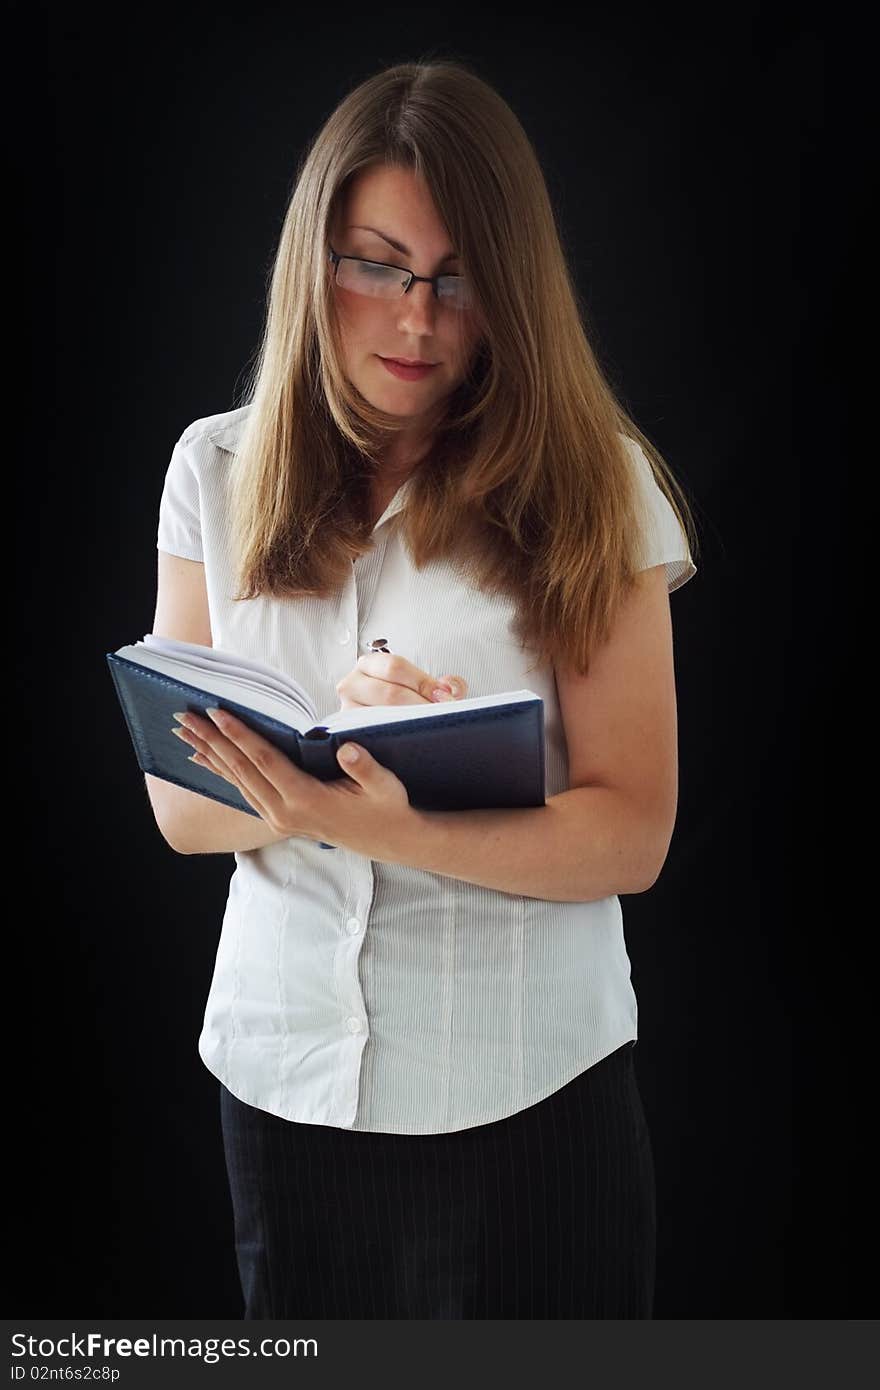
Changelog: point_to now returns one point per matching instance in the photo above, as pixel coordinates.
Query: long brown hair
(529, 479)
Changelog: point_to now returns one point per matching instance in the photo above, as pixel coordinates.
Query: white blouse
(375, 996)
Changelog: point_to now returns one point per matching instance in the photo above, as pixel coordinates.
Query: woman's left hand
(367, 810)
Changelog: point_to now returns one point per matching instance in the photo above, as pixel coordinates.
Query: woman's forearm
(194, 824)
(583, 844)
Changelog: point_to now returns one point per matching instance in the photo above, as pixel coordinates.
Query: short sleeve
(180, 531)
(663, 540)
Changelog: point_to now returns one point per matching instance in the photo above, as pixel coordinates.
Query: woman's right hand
(384, 678)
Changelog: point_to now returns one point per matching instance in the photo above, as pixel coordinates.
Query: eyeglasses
(393, 281)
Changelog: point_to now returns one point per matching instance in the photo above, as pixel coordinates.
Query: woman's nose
(418, 305)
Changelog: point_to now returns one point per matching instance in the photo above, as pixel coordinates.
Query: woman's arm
(188, 822)
(195, 824)
(584, 844)
(610, 832)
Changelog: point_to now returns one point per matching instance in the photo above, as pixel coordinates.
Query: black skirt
(548, 1213)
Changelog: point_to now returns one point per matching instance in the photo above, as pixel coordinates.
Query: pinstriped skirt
(548, 1213)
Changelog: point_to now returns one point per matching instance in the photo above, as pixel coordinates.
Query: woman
(423, 1022)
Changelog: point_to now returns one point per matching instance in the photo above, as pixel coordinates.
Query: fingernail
(442, 694)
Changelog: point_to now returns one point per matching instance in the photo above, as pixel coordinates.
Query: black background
(689, 159)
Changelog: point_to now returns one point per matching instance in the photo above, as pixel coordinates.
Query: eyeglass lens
(387, 282)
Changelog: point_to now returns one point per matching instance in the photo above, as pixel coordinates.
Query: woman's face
(394, 201)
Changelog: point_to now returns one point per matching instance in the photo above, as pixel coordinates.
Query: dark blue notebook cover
(464, 760)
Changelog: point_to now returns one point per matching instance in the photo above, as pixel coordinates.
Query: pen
(378, 644)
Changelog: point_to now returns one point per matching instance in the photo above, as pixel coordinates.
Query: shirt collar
(228, 436)
(396, 504)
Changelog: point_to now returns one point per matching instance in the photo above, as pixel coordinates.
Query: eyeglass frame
(426, 279)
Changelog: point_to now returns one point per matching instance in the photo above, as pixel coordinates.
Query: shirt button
(353, 925)
(354, 1025)
(344, 637)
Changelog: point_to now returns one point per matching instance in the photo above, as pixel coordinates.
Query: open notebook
(484, 751)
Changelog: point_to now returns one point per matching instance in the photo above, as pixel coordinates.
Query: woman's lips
(407, 373)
